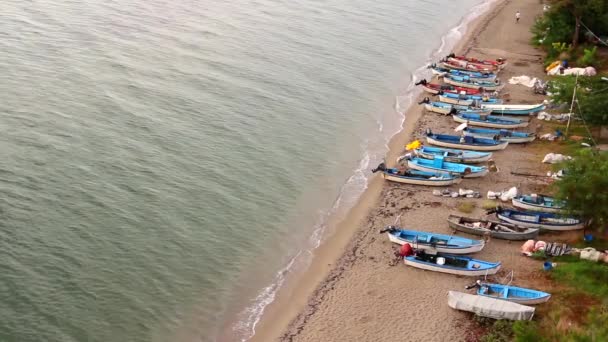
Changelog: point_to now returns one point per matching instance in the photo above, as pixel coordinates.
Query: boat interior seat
(505, 293)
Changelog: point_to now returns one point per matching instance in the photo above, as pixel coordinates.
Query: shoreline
(294, 303)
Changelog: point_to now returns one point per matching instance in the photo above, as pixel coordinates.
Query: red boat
(436, 88)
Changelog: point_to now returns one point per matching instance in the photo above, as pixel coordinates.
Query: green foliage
(589, 57)
(584, 276)
(466, 207)
(560, 47)
(501, 331)
(584, 185)
(527, 331)
(592, 95)
(596, 329)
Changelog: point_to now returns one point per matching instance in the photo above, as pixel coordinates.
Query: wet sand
(356, 289)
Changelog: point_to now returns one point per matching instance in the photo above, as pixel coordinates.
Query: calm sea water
(164, 164)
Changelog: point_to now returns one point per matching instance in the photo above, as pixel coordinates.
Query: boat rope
(595, 35)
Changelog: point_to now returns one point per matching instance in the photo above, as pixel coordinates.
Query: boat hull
(509, 139)
(489, 124)
(489, 307)
(513, 109)
(461, 102)
(454, 222)
(544, 226)
(485, 86)
(463, 146)
(463, 272)
(417, 181)
(426, 168)
(460, 250)
(466, 160)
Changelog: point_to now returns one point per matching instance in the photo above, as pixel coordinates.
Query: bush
(527, 331)
(466, 207)
(589, 58)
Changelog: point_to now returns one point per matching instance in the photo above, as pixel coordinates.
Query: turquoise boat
(474, 75)
(452, 264)
(520, 295)
(439, 165)
(489, 121)
(538, 203)
(542, 220)
(512, 137)
(452, 155)
(467, 100)
(465, 142)
(450, 108)
(417, 177)
(514, 109)
(433, 242)
(466, 82)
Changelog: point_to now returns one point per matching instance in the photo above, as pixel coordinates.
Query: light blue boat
(467, 82)
(439, 165)
(473, 98)
(514, 109)
(417, 177)
(465, 142)
(536, 219)
(538, 203)
(489, 121)
(489, 76)
(450, 108)
(511, 293)
(452, 264)
(434, 242)
(452, 155)
(512, 137)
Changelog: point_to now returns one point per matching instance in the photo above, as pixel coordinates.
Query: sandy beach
(356, 289)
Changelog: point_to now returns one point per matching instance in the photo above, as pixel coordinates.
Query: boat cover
(489, 307)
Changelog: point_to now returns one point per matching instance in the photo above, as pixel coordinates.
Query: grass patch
(583, 275)
(466, 207)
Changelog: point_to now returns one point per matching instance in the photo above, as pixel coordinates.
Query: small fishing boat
(490, 121)
(437, 88)
(490, 307)
(514, 109)
(465, 142)
(512, 137)
(448, 108)
(466, 82)
(520, 295)
(495, 229)
(437, 164)
(452, 264)
(451, 155)
(474, 75)
(467, 100)
(433, 242)
(461, 65)
(417, 177)
(535, 219)
(499, 62)
(538, 203)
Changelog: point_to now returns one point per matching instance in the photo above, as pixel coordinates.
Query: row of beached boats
(470, 96)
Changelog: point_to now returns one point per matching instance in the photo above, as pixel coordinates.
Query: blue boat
(538, 203)
(467, 82)
(434, 242)
(512, 137)
(489, 121)
(520, 295)
(514, 109)
(465, 142)
(417, 177)
(475, 75)
(468, 100)
(452, 264)
(439, 165)
(452, 155)
(536, 219)
(450, 108)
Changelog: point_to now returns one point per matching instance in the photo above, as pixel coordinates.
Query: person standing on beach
(517, 16)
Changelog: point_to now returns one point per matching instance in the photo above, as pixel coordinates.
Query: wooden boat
(437, 88)
(538, 203)
(417, 177)
(474, 75)
(434, 242)
(452, 264)
(512, 137)
(451, 155)
(490, 121)
(448, 108)
(489, 307)
(535, 219)
(499, 63)
(510, 293)
(465, 142)
(514, 109)
(437, 164)
(467, 100)
(465, 82)
(495, 229)
(460, 65)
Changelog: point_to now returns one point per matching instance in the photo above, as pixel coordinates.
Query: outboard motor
(453, 111)
(381, 167)
(429, 132)
(452, 55)
(422, 81)
(425, 100)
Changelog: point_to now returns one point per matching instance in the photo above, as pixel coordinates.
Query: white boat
(536, 202)
(452, 100)
(489, 307)
(514, 109)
